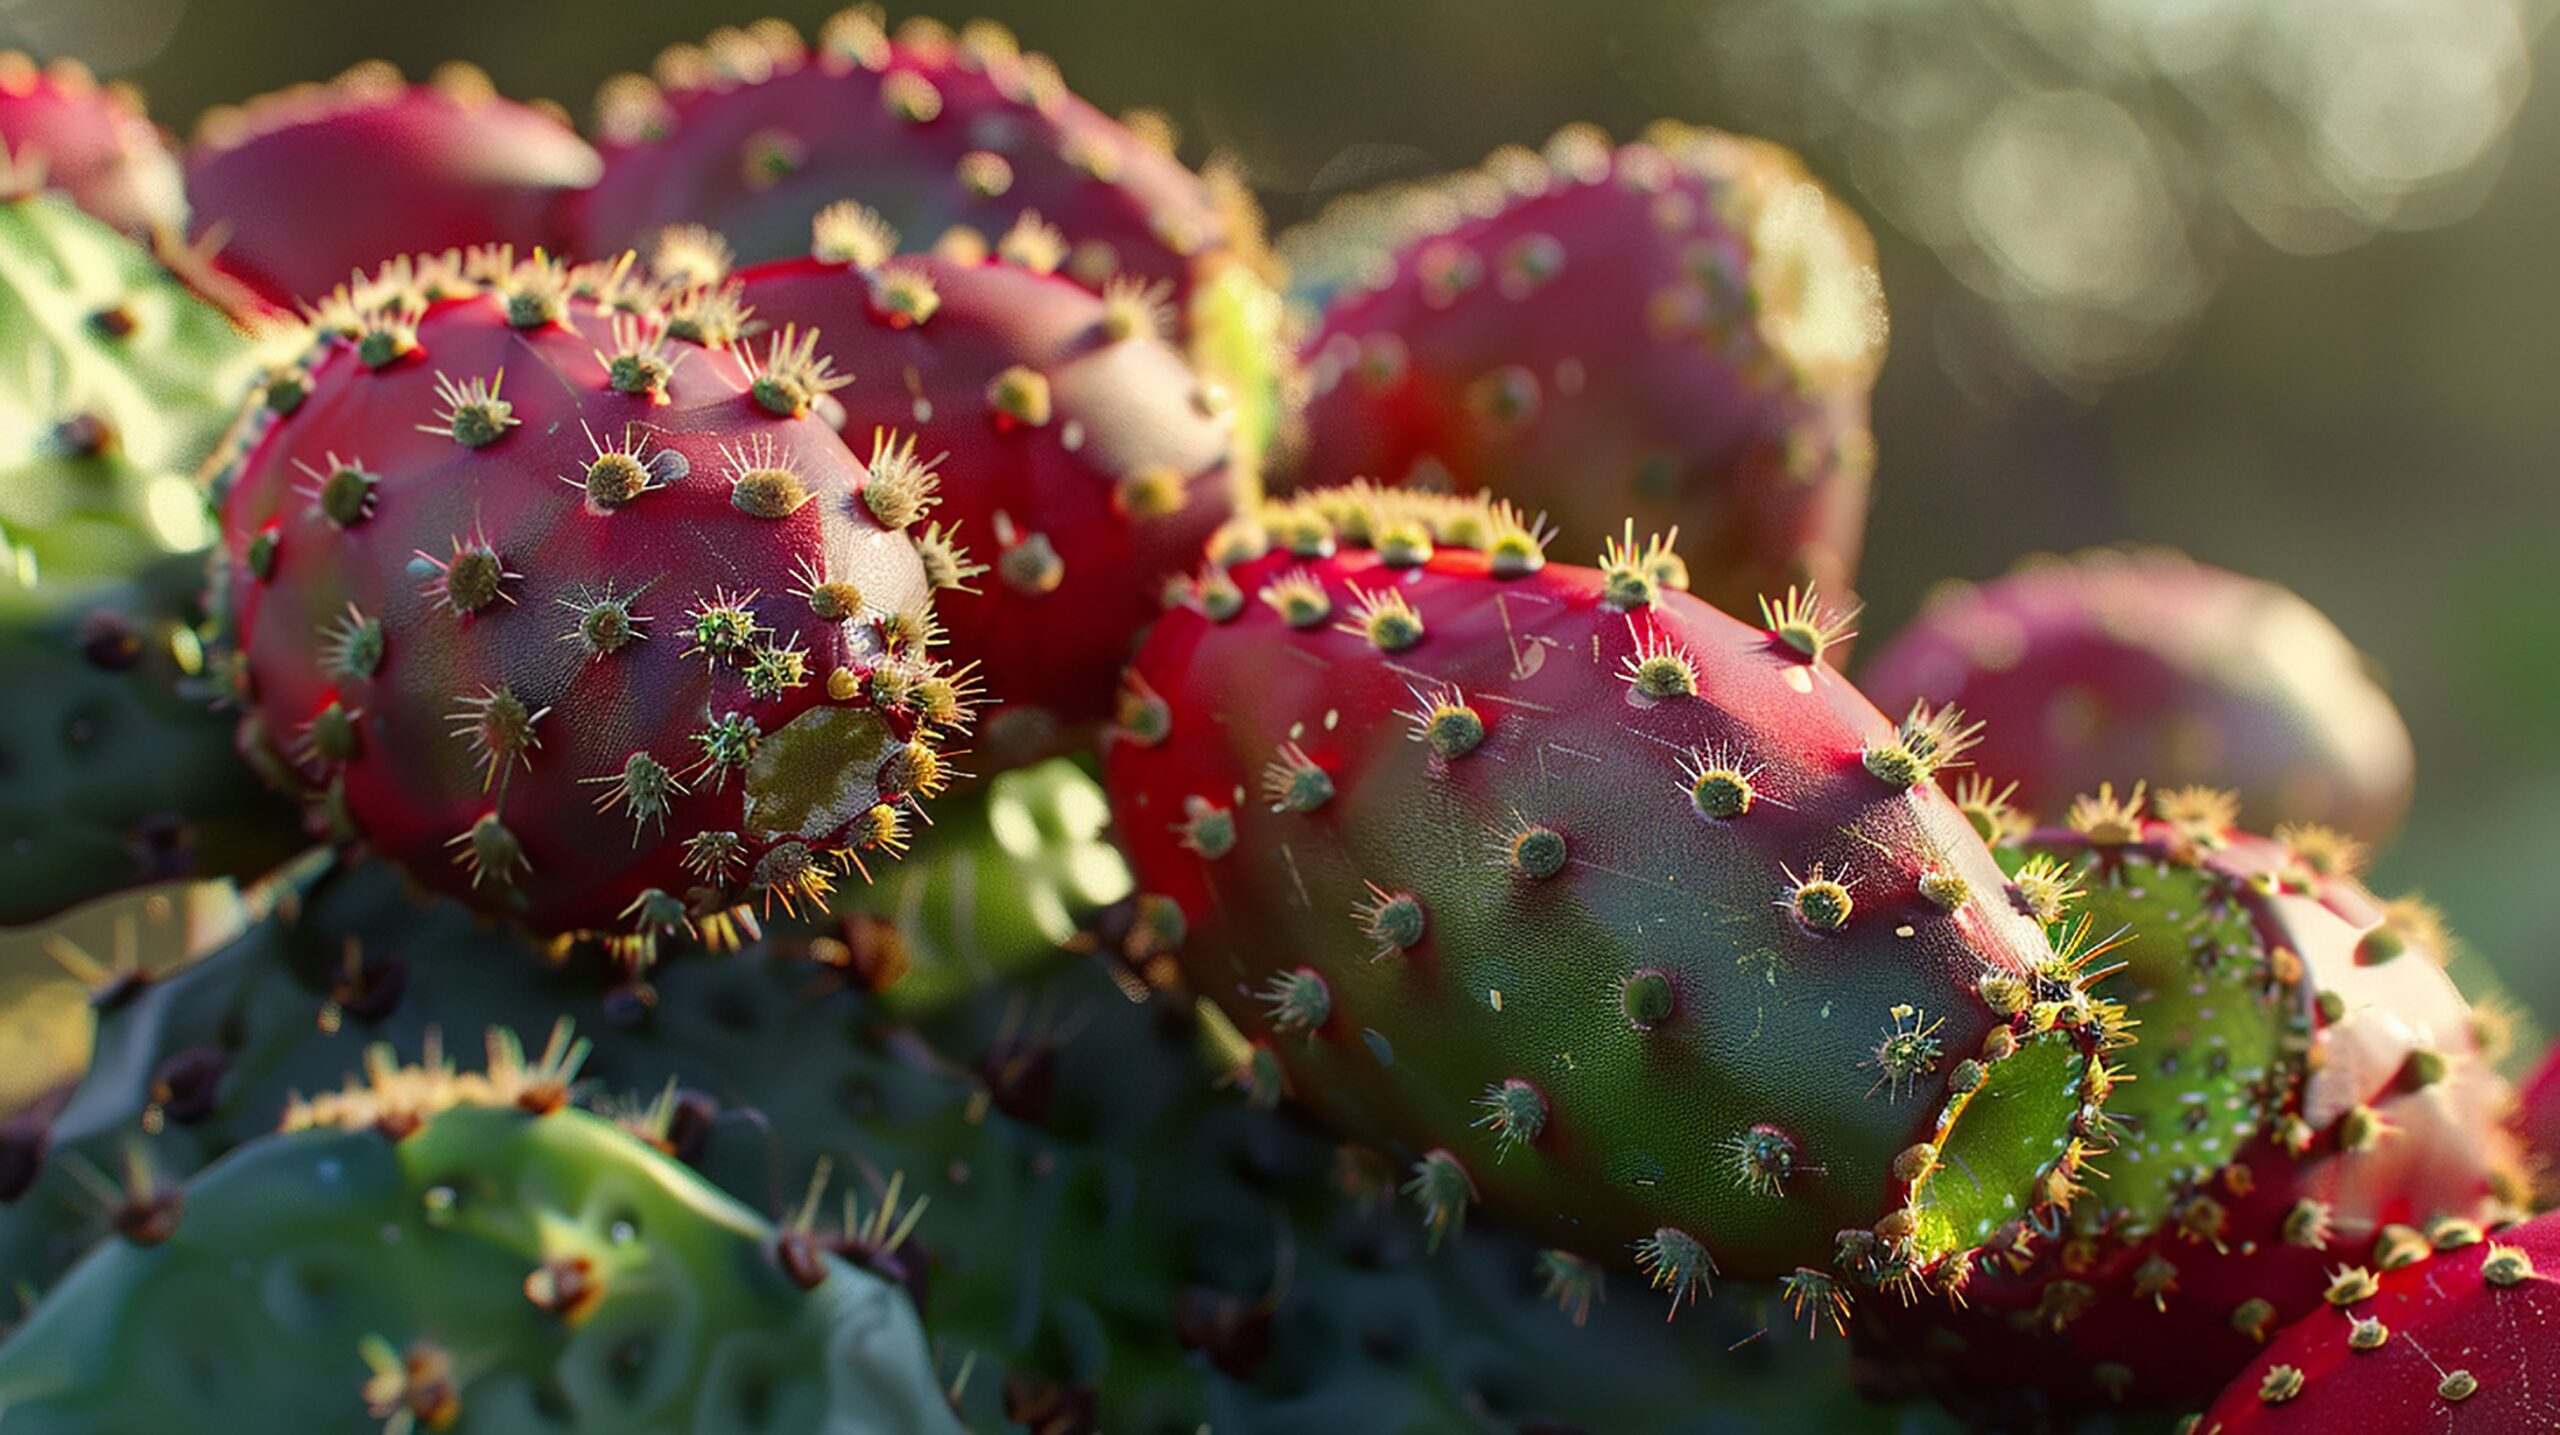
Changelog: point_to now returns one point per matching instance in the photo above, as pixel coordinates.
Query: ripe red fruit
(2123, 667)
(565, 599)
(1084, 462)
(1632, 919)
(2464, 1343)
(1683, 329)
(301, 190)
(92, 142)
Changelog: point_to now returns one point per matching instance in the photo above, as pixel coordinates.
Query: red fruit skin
(1519, 975)
(1684, 330)
(302, 190)
(2536, 1124)
(419, 778)
(2117, 667)
(753, 132)
(93, 142)
(2472, 1348)
(1053, 500)
(2000, 1360)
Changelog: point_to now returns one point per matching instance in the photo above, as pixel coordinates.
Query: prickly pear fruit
(115, 384)
(2536, 1125)
(2463, 1343)
(117, 773)
(443, 1250)
(1084, 465)
(956, 139)
(2307, 1092)
(1684, 328)
(569, 602)
(92, 142)
(301, 190)
(1631, 918)
(2124, 666)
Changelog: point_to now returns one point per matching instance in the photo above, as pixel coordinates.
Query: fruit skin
(954, 139)
(1684, 329)
(115, 384)
(591, 658)
(2466, 1346)
(2123, 666)
(2536, 1126)
(91, 141)
(1097, 1222)
(2345, 1110)
(301, 190)
(495, 1262)
(1429, 901)
(119, 773)
(1086, 464)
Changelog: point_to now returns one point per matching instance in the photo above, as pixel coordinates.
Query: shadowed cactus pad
(566, 600)
(1586, 834)
(464, 1255)
(118, 772)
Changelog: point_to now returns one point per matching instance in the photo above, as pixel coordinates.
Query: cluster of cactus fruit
(874, 792)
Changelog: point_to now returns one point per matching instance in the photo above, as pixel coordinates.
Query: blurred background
(2270, 281)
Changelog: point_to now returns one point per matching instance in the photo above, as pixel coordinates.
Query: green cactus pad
(490, 1270)
(114, 770)
(116, 383)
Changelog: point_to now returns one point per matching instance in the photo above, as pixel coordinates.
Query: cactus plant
(1093, 1224)
(115, 383)
(2460, 1343)
(442, 1250)
(955, 139)
(2307, 1091)
(501, 504)
(2121, 666)
(91, 141)
(1086, 465)
(1523, 868)
(300, 191)
(118, 772)
(202, 1059)
(1683, 329)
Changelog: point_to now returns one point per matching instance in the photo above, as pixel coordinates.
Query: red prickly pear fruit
(1086, 467)
(568, 601)
(300, 190)
(1618, 922)
(2466, 1342)
(2308, 1091)
(2121, 666)
(2536, 1125)
(92, 142)
(954, 138)
(1685, 329)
